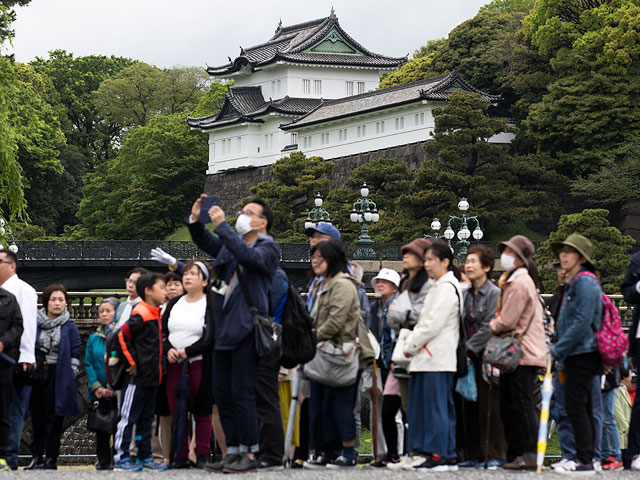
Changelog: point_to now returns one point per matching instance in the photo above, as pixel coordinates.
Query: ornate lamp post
(435, 227)
(364, 211)
(317, 214)
(6, 236)
(464, 221)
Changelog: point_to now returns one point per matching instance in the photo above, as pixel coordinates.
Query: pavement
(77, 473)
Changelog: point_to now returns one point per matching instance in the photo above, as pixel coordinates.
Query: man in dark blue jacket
(254, 253)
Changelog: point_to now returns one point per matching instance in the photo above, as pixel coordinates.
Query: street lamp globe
(360, 219)
(463, 205)
(354, 216)
(318, 200)
(364, 191)
(449, 233)
(477, 233)
(436, 225)
(309, 224)
(464, 233)
(13, 247)
(376, 217)
(368, 216)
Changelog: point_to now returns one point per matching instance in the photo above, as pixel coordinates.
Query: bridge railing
(84, 305)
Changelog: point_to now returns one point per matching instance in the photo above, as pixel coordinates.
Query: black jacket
(631, 296)
(141, 343)
(10, 332)
(204, 346)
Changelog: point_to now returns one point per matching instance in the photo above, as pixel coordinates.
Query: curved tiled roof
(291, 44)
(433, 88)
(244, 104)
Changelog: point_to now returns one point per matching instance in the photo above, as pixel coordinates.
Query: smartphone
(207, 202)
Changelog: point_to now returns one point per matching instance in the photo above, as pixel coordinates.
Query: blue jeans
(16, 422)
(610, 439)
(634, 423)
(565, 430)
(331, 418)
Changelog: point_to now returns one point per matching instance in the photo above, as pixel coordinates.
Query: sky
(205, 32)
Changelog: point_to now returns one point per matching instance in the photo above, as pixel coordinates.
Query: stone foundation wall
(233, 185)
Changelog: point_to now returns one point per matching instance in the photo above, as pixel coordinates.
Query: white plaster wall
(291, 76)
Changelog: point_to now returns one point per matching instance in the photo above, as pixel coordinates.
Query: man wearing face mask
(255, 254)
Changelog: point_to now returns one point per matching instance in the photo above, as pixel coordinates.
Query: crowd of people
(449, 362)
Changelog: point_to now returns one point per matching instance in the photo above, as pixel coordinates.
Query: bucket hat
(521, 245)
(582, 244)
(416, 247)
(386, 274)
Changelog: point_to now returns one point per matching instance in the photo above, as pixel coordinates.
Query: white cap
(387, 274)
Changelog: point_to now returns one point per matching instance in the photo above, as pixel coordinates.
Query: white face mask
(507, 262)
(243, 224)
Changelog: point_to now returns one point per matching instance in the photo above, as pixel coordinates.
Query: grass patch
(182, 234)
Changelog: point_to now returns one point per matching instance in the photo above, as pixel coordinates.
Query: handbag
(268, 334)
(466, 386)
(397, 357)
(332, 365)
(38, 375)
(505, 352)
(103, 416)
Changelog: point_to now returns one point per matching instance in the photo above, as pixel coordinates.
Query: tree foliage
(212, 101)
(610, 248)
(8, 16)
(508, 6)
(295, 181)
(144, 192)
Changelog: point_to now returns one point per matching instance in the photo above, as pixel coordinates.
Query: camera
(219, 286)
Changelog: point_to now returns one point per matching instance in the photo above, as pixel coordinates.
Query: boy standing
(140, 339)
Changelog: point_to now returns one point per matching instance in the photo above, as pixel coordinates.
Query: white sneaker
(597, 466)
(406, 463)
(564, 465)
(635, 464)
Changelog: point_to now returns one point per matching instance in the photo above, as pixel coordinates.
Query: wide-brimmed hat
(416, 247)
(582, 244)
(521, 245)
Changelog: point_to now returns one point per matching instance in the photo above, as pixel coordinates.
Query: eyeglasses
(251, 213)
(317, 258)
(6, 261)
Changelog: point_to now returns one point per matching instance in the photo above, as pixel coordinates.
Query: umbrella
(179, 422)
(374, 391)
(293, 407)
(547, 390)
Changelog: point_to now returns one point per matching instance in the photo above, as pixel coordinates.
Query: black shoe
(269, 465)
(221, 464)
(50, 464)
(201, 460)
(36, 464)
(243, 464)
(433, 465)
(341, 462)
(298, 463)
(107, 466)
(181, 464)
(315, 462)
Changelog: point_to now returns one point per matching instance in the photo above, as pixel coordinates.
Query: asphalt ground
(77, 473)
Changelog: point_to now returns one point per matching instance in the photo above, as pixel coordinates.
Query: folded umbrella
(547, 391)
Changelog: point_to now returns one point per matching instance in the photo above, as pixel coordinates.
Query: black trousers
(46, 426)
(579, 371)
(6, 390)
(390, 406)
(302, 452)
(271, 433)
(103, 449)
(518, 410)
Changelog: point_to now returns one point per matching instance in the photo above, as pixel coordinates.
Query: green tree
(144, 192)
(8, 16)
(75, 79)
(295, 181)
(137, 93)
(418, 68)
(212, 101)
(508, 6)
(610, 248)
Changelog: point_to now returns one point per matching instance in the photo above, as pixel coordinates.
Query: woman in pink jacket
(520, 313)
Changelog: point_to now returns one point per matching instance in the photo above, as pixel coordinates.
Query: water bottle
(113, 359)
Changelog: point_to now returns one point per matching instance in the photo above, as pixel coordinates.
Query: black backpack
(298, 332)
(116, 362)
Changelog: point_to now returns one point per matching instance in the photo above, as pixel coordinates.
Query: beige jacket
(519, 302)
(433, 341)
(338, 311)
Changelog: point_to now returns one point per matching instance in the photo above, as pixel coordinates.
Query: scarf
(49, 338)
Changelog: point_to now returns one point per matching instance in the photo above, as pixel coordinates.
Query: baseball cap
(324, 228)
(386, 274)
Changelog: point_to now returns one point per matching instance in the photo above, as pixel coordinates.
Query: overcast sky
(199, 32)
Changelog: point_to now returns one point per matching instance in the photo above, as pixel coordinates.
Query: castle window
(419, 119)
(239, 143)
(380, 127)
(348, 88)
(342, 134)
(317, 87)
(399, 123)
(362, 131)
(360, 87)
(324, 138)
(306, 86)
(294, 138)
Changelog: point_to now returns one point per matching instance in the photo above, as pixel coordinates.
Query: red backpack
(613, 344)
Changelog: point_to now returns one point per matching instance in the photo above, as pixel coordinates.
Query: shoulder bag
(504, 351)
(268, 334)
(332, 365)
(103, 416)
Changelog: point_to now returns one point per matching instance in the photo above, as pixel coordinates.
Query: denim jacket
(580, 317)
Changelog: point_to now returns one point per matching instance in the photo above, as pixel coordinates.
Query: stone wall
(233, 185)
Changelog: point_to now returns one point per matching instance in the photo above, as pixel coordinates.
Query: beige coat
(433, 341)
(519, 302)
(338, 311)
